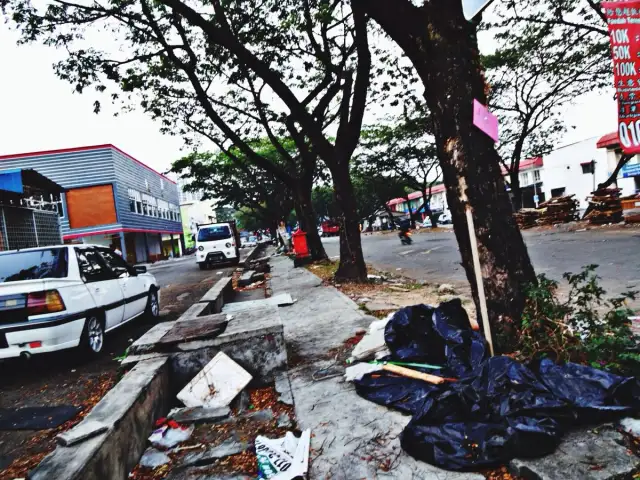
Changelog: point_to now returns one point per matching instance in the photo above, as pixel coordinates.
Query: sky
(41, 112)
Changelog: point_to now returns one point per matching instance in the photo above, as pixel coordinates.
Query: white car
(54, 298)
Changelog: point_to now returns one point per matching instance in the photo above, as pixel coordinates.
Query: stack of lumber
(526, 217)
(631, 208)
(558, 210)
(604, 206)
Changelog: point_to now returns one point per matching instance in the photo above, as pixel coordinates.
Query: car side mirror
(138, 269)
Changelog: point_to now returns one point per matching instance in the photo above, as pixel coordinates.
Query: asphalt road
(435, 258)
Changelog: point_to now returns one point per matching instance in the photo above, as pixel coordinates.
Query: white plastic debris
(359, 370)
(283, 458)
(372, 343)
(153, 458)
(167, 437)
(216, 384)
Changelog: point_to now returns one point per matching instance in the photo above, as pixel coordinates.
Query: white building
(194, 210)
(579, 167)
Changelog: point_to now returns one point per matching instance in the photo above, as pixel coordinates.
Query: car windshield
(33, 265)
(211, 234)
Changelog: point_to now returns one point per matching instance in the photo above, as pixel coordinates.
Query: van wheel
(203, 266)
(92, 339)
(153, 305)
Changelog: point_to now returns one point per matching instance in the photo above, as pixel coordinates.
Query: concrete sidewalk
(352, 437)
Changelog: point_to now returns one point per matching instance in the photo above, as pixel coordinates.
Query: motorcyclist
(404, 226)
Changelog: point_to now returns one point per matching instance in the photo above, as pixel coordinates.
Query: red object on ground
(624, 32)
(330, 228)
(300, 246)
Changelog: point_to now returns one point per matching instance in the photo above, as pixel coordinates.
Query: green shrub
(587, 328)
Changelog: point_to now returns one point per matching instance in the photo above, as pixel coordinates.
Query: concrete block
(219, 294)
(231, 446)
(380, 306)
(587, 454)
(200, 414)
(253, 339)
(130, 410)
(246, 278)
(196, 310)
(81, 432)
(147, 342)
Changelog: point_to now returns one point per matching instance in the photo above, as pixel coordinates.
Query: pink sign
(485, 120)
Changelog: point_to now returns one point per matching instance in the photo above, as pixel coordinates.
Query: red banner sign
(623, 18)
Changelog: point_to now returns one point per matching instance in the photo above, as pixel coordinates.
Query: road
(434, 256)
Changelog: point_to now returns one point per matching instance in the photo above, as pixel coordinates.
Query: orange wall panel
(91, 206)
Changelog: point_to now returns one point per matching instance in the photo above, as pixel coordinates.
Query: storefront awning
(610, 140)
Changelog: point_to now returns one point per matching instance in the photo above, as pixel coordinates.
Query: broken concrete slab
(196, 310)
(587, 454)
(277, 300)
(284, 421)
(200, 414)
(216, 384)
(199, 328)
(231, 446)
(218, 295)
(129, 409)
(246, 278)
(380, 306)
(81, 432)
(147, 342)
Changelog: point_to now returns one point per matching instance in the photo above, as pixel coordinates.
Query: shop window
(536, 176)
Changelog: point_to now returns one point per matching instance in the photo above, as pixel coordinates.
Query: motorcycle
(405, 238)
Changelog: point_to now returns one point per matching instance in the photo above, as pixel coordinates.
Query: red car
(330, 229)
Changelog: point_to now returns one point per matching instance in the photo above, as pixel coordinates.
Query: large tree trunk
(307, 218)
(516, 191)
(352, 266)
(442, 45)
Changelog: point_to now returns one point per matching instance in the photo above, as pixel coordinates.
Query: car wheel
(203, 266)
(153, 304)
(92, 340)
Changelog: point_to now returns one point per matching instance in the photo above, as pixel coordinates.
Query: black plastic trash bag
(499, 408)
(441, 336)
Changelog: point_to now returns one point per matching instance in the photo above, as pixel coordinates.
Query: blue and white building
(110, 199)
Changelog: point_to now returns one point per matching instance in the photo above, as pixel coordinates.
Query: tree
(534, 74)
(442, 46)
(403, 148)
(580, 26)
(231, 71)
(236, 182)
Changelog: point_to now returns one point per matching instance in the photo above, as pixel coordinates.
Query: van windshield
(33, 265)
(211, 234)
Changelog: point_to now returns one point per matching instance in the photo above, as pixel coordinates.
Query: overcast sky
(40, 112)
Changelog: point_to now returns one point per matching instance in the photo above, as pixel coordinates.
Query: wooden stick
(476, 267)
(407, 372)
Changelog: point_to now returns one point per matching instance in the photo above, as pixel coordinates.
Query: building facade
(111, 199)
(195, 211)
(629, 176)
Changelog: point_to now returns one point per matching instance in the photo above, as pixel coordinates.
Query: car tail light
(49, 301)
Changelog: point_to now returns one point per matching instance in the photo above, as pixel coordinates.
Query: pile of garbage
(470, 410)
(604, 206)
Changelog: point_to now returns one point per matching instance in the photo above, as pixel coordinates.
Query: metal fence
(26, 228)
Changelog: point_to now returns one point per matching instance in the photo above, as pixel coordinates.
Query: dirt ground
(66, 378)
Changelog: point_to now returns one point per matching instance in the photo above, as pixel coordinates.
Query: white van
(217, 243)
